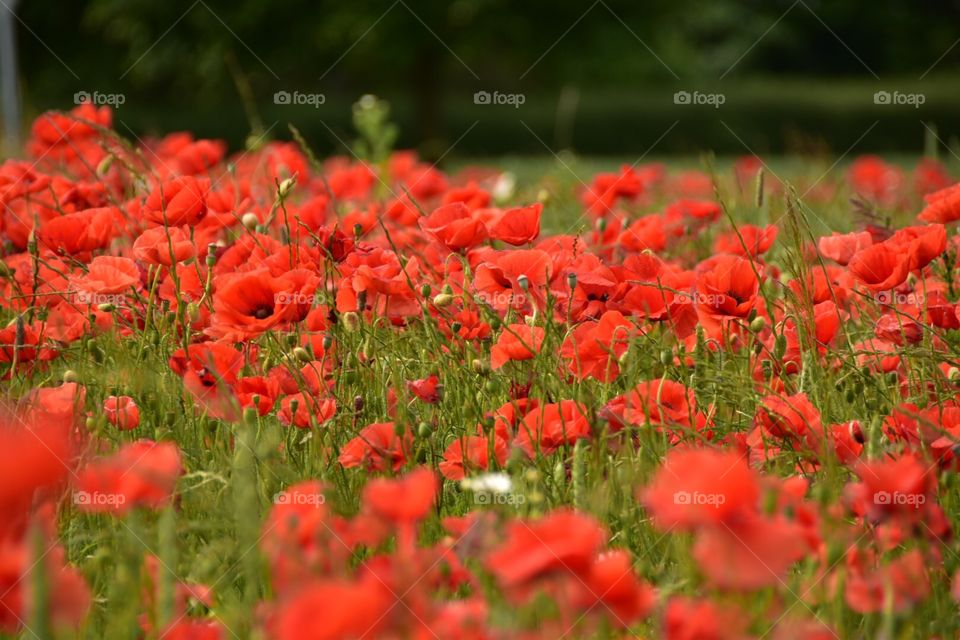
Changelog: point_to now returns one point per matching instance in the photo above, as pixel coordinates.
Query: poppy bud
(302, 354)
(424, 430)
(757, 324)
(524, 282)
(543, 195)
(105, 165)
(71, 376)
(358, 403)
(106, 307)
(351, 320)
(327, 342)
(455, 327)
(447, 289)
(250, 220)
(602, 225)
(480, 367)
(425, 290)
(211, 255)
(532, 475)
(442, 300)
(953, 373)
(399, 430)
(780, 347)
(286, 187)
(572, 280)
(666, 357)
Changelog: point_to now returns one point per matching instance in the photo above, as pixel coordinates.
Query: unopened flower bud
(425, 290)
(524, 282)
(71, 376)
(351, 320)
(442, 300)
(757, 324)
(286, 187)
(302, 354)
(572, 280)
(250, 220)
(424, 430)
(105, 165)
(106, 307)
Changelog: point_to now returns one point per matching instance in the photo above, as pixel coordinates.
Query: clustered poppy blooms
(607, 357)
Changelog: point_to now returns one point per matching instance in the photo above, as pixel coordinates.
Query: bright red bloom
(593, 349)
(749, 241)
(471, 453)
(378, 447)
(107, 275)
(563, 542)
(164, 246)
(547, 428)
(80, 233)
(141, 474)
(405, 500)
(701, 487)
(881, 267)
(842, 247)
(177, 202)
(514, 279)
(334, 609)
(923, 243)
(518, 226)
(517, 342)
(248, 304)
(427, 389)
(942, 206)
(898, 585)
(792, 418)
(454, 226)
(122, 412)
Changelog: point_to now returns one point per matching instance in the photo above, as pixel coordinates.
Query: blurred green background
(597, 76)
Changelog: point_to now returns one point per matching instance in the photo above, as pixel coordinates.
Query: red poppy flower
(454, 226)
(942, 206)
(562, 542)
(547, 428)
(333, 609)
(792, 418)
(177, 202)
(517, 342)
(141, 474)
(899, 585)
(881, 267)
(80, 233)
(428, 389)
(378, 447)
(122, 412)
(404, 500)
(749, 554)
(164, 246)
(304, 410)
(593, 349)
(517, 226)
(472, 453)
(842, 247)
(727, 287)
(923, 243)
(248, 304)
(514, 279)
(701, 487)
(107, 275)
(747, 240)
(610, 587)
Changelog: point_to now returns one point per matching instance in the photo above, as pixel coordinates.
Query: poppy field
(268, 394)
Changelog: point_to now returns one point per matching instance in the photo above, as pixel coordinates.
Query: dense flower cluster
(329, 315)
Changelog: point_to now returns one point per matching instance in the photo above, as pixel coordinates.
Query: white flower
(489, 482)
